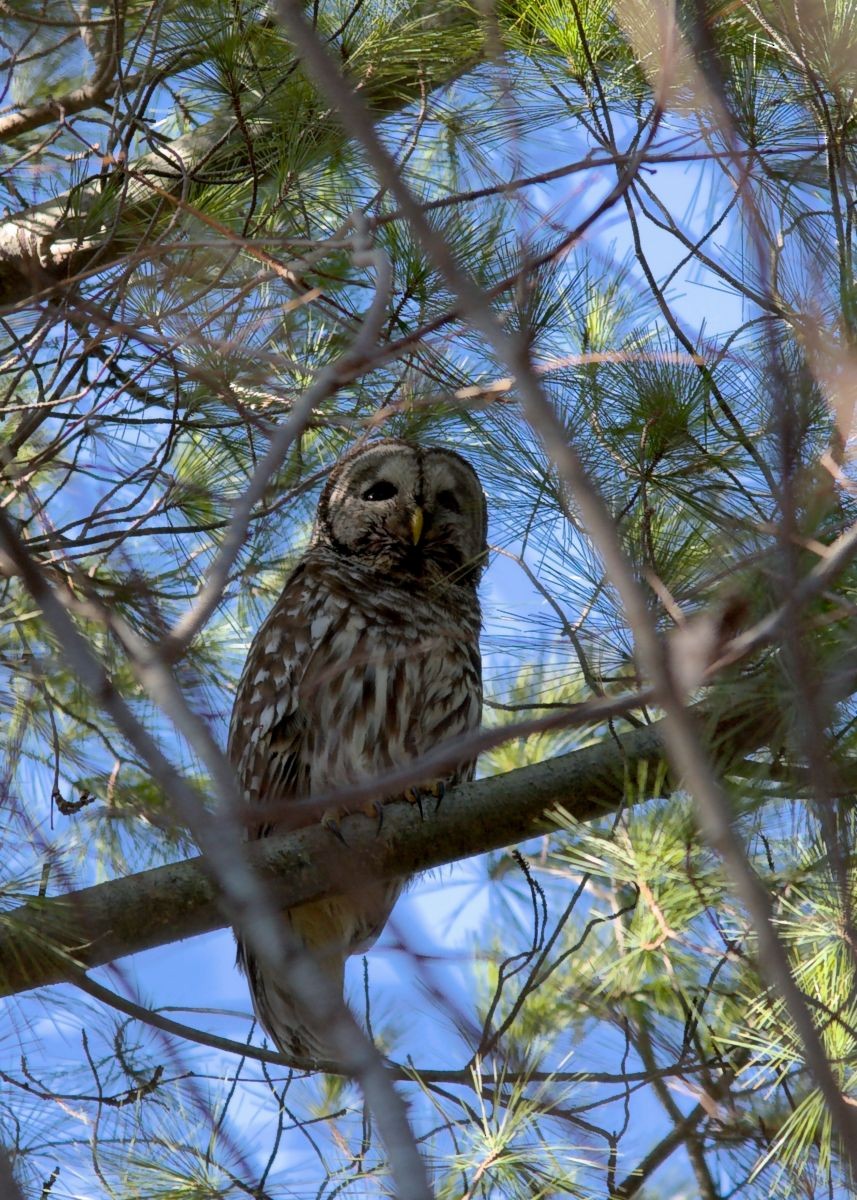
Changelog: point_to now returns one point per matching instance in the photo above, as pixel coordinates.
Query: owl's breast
(384, 684)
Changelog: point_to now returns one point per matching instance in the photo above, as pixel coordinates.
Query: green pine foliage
(609, 1031)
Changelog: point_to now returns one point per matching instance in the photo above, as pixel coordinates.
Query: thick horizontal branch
(48, 940)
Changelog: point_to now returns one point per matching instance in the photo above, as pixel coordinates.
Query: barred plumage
(369, 658)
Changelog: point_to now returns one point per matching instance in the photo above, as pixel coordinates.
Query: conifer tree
(606, 251)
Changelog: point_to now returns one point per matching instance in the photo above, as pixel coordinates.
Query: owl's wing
(267, 727)
(267, 738)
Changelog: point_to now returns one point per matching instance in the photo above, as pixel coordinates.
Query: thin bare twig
(245, 897)
(326, 383)
(681, 735)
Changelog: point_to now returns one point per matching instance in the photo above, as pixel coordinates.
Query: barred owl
(369, 658)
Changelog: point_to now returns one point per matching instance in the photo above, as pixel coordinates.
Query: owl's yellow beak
(417, 519)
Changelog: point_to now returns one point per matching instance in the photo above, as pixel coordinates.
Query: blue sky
(452, 911)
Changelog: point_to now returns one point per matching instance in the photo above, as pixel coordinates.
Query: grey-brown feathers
(369, 658)
(366, 507)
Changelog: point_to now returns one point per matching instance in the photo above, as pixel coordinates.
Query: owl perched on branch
(368, 660)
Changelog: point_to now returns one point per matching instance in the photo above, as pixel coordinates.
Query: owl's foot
(436, 790)
(374, 808)
(330, 819)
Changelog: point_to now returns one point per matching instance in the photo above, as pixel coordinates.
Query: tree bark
(48, 940)
(108, 217)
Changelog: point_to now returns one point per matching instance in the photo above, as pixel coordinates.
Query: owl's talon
(415, 796)
(437, 791)
(330, 822)
(374, 808)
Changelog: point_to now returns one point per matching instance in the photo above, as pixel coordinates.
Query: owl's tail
(297, 1034)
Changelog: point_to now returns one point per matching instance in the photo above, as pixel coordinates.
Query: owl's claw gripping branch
(374, 808)
(330, 819)
(415, 796)
(437, 791)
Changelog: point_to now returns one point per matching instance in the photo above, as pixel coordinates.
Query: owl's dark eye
(449, 501)
(382, 490)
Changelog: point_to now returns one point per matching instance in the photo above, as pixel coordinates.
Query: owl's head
(410, 512)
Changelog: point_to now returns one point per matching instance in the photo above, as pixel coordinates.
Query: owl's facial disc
(410, 513)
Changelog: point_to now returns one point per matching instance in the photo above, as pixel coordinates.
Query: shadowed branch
(48, 940)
